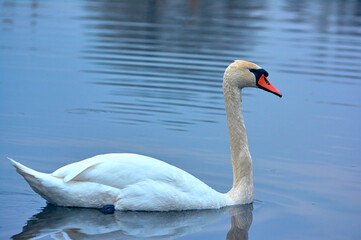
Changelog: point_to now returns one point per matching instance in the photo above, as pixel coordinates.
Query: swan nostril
(266, 80)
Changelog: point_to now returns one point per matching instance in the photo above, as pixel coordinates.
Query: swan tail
(34, 178)
(27, 173)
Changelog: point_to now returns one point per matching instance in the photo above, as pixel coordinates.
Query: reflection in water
(165, 59)
(241, 220)
(82, 223)
(159, 63)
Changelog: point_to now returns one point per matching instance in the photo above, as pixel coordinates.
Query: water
(80, 78)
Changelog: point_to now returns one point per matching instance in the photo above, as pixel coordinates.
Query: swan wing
(121, 170)
(77, 169)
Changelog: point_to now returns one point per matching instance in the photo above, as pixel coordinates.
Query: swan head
(240, 74)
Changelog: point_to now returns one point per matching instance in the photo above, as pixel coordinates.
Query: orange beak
(264, 84)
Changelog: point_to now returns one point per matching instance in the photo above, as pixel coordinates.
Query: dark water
(80, 78)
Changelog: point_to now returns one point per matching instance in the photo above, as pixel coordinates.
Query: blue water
(81, 78)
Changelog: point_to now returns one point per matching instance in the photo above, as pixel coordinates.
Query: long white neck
(242, 189)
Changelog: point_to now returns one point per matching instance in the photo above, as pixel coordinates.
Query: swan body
(137, 182)
(127, 181)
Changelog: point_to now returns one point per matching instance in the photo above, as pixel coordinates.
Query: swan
(125, 181)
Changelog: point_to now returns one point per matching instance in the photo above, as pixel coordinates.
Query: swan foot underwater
(124, 181)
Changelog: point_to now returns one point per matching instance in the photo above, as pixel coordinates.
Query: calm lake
(81, 78)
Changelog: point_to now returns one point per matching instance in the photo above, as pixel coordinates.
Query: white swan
(136, 182)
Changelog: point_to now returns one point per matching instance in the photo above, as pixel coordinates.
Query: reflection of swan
(241, 220)
(81, 223)
(136, 182)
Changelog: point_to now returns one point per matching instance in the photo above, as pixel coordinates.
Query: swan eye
(258, 73)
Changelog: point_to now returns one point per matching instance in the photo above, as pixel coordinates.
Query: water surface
(80, 78)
